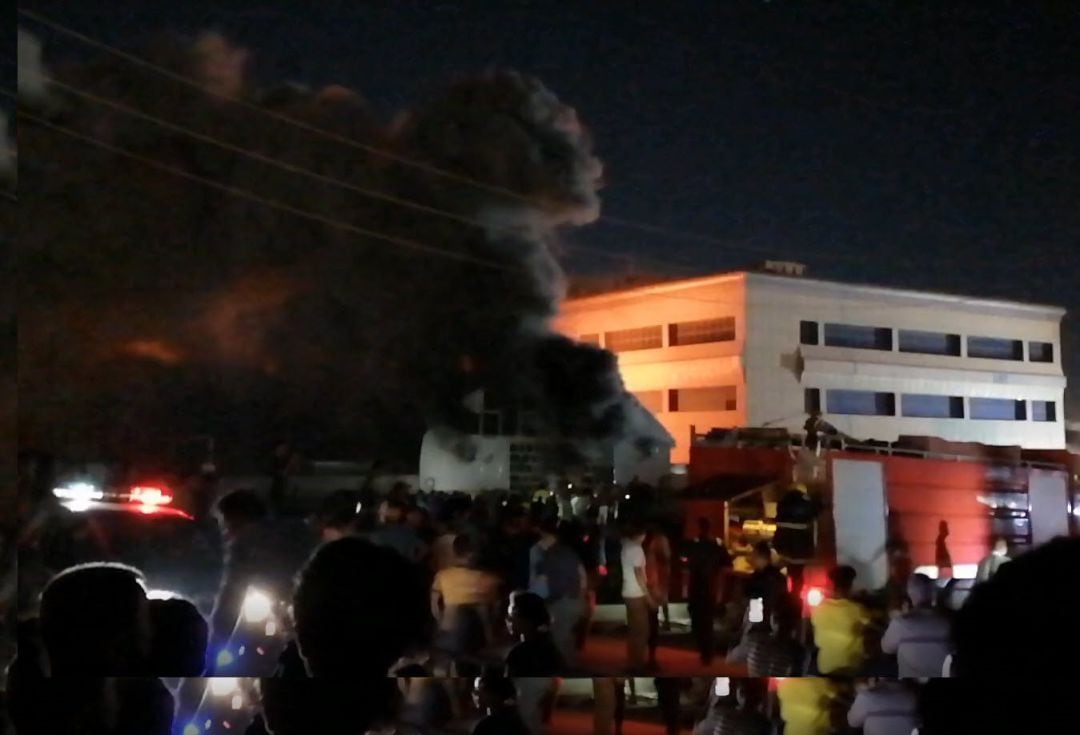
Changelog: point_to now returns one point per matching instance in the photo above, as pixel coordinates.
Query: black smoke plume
(156, 307)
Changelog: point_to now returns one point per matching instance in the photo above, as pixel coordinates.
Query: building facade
(762, 349)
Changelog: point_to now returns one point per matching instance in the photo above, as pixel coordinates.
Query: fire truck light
(814, 597)
(149, 495)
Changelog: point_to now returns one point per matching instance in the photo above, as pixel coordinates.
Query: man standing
(537, 581)
(496, 697)
(567, 586)
(766, 582)
(884, 707)
(658, 568)
(794, 540)
(283, 463)
(919, 637)
(635, 592)
(609, 694)
(706, 558)
(253, 557)
(396, 533)
(999, 556)
(839, 622)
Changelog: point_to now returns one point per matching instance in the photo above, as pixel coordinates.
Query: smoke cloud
(8, 159)
(33, 82)
(157, 301)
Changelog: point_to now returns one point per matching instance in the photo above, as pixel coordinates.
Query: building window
(651, 399)
(860, 403)
(863, 338)
(929, 343)
(994, 348)
(997, 409)
(628, 340)
(701, 332)
(931, 407)
(1041, 351)
(812, 400)
(808, 333)
(1043, 411)
(720, 398)
(590, 339)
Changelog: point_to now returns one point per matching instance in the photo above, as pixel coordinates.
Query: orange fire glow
(153, 349)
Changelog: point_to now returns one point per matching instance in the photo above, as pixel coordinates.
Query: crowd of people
(426, 586)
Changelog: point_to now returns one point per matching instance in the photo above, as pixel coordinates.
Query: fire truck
(940, 502)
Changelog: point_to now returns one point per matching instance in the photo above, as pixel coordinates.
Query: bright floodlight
(815, 597)
(257, 606)
(79, 491)
(224, 686)
(161, 595)
(723, 686)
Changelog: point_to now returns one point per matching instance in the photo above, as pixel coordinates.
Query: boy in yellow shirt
(838, 624)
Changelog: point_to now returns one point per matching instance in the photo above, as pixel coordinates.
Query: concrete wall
(673, 367)
(771, 369)
(776, 306)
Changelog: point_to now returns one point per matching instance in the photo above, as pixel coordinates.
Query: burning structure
(278, 262)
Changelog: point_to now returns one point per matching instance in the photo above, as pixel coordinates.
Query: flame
(153, 349)
(237, 318)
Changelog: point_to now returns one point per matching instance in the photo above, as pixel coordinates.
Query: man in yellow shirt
(461, 600)
(806, 705)
(838, 626)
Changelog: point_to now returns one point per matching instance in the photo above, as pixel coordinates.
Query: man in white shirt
(920, 637)
(635, 592)
(884, 707)
(999, 556)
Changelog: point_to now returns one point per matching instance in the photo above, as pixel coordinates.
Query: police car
(139, 525)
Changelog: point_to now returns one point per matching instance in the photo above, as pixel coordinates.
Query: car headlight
(224, 686)
(161, 595)
(258, 606)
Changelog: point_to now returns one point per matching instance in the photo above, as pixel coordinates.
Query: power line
(402, 242)
(337, 224)
(375, 150)
(292, 168)
(268, 160)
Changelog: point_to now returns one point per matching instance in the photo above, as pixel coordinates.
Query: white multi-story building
(764, 349)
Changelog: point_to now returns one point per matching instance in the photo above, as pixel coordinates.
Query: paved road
(565, 722)
(606, 655)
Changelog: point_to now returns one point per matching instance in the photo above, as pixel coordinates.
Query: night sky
(873, 140)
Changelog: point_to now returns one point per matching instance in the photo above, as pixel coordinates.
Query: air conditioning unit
(784, 268)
